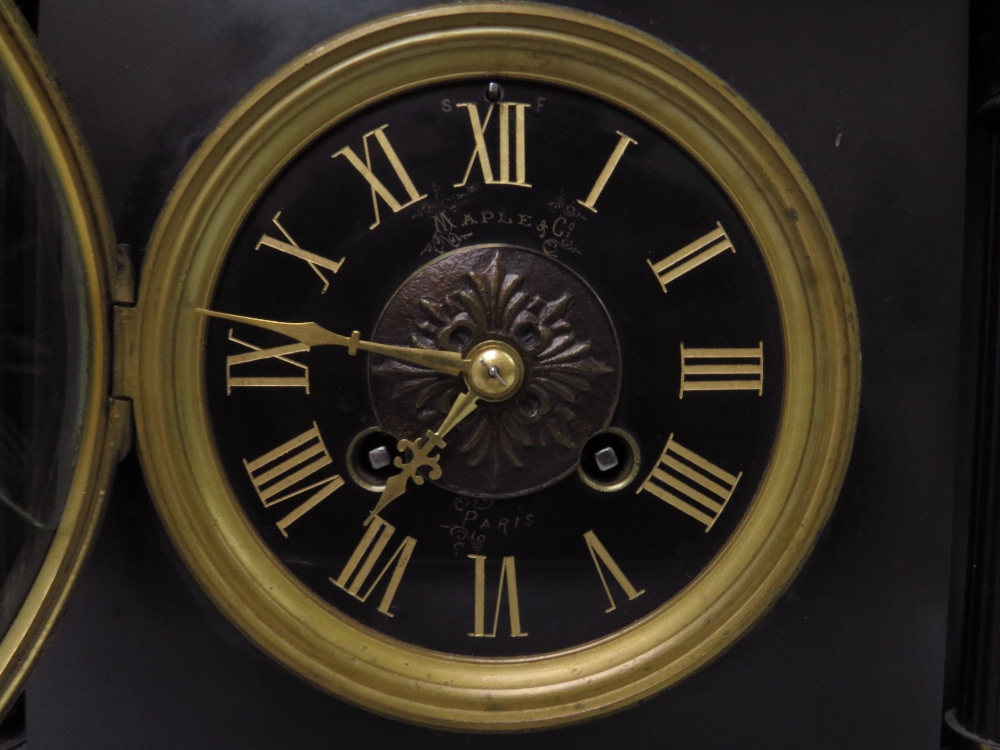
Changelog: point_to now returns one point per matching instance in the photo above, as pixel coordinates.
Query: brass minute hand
(313, 334)
(421, 448)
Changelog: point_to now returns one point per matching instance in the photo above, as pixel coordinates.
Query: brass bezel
(594, 56)
(101, 429)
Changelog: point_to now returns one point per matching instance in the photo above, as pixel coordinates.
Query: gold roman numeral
(378, 188)
(691, 256)
(364, 558)
(600, 555)
(722, 369)
(481, 153)
(291, 247)
(508, 575)
(609, 167)
(256, 354)
(289, 471)
(690, 483)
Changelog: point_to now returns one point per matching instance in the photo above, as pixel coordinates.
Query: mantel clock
(494, 366)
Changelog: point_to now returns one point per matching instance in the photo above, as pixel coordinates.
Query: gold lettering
(609, 167)
(279, 474)
(684, 464)
(481, 153)
(378, 188)
(366, 555)
(257, 354)
(691, 256)
(722, 369)
(600, 555)
(291, 247)
(508, 575)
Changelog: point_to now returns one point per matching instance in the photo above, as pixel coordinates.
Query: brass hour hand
(421, 449)
(313, 334)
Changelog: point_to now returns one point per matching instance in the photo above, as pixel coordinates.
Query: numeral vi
(508, 576)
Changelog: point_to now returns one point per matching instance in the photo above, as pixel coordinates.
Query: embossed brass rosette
(619, 66)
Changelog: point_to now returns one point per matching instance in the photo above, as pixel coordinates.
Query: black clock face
(582, 385)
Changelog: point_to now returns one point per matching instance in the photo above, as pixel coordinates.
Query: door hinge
(123, 378)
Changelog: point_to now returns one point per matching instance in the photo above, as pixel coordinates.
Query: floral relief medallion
(555, 322)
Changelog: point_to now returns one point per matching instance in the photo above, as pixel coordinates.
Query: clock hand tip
(216, 314)
(394, 487)
(205, 312)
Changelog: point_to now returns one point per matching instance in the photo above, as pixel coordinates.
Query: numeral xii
(505, 154)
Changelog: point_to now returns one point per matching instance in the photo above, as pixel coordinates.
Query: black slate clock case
(870, 100)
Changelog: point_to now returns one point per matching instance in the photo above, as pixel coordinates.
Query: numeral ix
(256, 354)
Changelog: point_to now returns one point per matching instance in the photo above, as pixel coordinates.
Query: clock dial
(496, 366)
(621, 280)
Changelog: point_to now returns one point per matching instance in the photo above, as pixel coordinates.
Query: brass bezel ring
(100, 431)
(622, 67)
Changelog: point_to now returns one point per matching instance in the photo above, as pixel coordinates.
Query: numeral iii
(722, 369)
